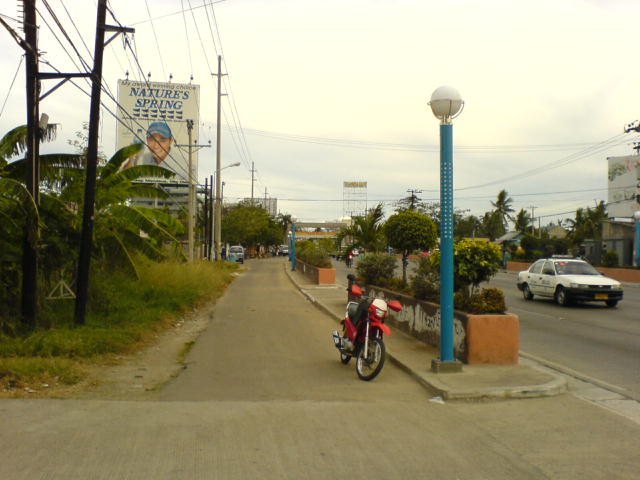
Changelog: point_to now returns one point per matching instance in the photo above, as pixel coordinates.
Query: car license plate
(601, 296)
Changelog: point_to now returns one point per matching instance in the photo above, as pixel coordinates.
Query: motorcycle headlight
(380, 313)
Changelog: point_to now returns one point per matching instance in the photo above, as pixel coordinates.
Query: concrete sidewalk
(414, 357)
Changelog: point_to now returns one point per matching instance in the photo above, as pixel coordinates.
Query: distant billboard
(624, 186)
(156, 114)
(354, 184)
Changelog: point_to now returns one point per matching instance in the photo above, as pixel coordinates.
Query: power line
(11, 86)
(153, 28)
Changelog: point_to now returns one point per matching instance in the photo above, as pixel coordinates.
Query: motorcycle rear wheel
(369, 368)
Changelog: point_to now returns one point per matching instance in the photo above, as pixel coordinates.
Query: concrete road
(264, 396)
(597, 342)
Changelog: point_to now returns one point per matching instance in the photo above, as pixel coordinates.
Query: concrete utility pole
(533, 219)
(218, 209)
(191, 197)
(413, 197)
(253, 170)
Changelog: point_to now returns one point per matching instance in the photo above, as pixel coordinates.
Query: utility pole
(533, 219)
(265, 199)
(191, 197)
(413, 197)
(206, 218)
(210, 238)
(253, 170)
(30, 254)
(86, 238)
(218, 214)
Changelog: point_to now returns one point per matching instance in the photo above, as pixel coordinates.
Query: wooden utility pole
(86, 237)
(30, 254)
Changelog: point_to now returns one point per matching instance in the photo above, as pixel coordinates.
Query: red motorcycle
(362, 331)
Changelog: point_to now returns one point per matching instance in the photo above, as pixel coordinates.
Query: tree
(407, 231)
(469, 226)
(492, 225)
(365, 231)
(502, 205)
(250, 225)
(475, 261)
(522, 221)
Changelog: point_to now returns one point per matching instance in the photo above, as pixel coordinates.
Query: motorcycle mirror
(395, 305)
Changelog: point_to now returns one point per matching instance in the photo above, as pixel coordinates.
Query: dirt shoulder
(139, 376)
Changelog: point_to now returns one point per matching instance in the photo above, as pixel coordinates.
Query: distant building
(269, 204)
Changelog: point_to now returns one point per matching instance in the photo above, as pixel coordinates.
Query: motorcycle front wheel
(368, 368)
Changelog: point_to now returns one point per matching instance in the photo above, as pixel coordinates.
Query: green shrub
(610, 259)
(314, 253)
(489, 300)
(425, 283)
(377, 268)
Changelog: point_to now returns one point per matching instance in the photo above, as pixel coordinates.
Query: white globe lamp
(446, 103)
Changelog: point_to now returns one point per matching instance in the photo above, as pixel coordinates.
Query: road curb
(556, 386)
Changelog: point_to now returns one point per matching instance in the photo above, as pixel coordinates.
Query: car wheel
(561, 297)
(611, 303)
(526, 292)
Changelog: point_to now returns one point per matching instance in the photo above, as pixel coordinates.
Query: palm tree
(522, 221)
(502, 205)
(365, 231)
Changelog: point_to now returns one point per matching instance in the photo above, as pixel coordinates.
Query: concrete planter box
(321, 276)
(478, 339)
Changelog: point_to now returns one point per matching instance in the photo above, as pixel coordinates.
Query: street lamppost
(218, 211)
(636, 217)
(292, 250)
(446, 104)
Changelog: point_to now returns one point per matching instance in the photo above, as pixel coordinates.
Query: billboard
(156, 114)
(624, 186)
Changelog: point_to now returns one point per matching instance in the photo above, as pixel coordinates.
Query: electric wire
(153, 28)
(11, 86)
(171, 14)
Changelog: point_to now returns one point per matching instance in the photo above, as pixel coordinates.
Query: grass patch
(123, 315)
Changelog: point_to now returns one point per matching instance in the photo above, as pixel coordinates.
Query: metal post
(211, 208)
(293, 248)
(446, 243)
(86, 238)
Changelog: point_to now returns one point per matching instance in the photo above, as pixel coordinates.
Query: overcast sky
(327, 91)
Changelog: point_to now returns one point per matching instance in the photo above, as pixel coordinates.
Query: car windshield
(575, 268)
(235, 249)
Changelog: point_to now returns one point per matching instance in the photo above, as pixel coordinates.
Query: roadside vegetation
(140, 282)
(124, 315)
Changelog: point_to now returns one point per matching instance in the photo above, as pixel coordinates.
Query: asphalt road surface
(264, 396)
(589, 339)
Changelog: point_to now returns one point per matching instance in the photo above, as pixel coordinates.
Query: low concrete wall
(478, 339)
(321, 276)
(621, 274)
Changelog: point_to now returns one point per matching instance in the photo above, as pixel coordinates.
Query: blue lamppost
(636, 217)
(293, 248)
(446, 104)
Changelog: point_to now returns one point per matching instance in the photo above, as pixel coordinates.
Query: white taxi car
(567, 280)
